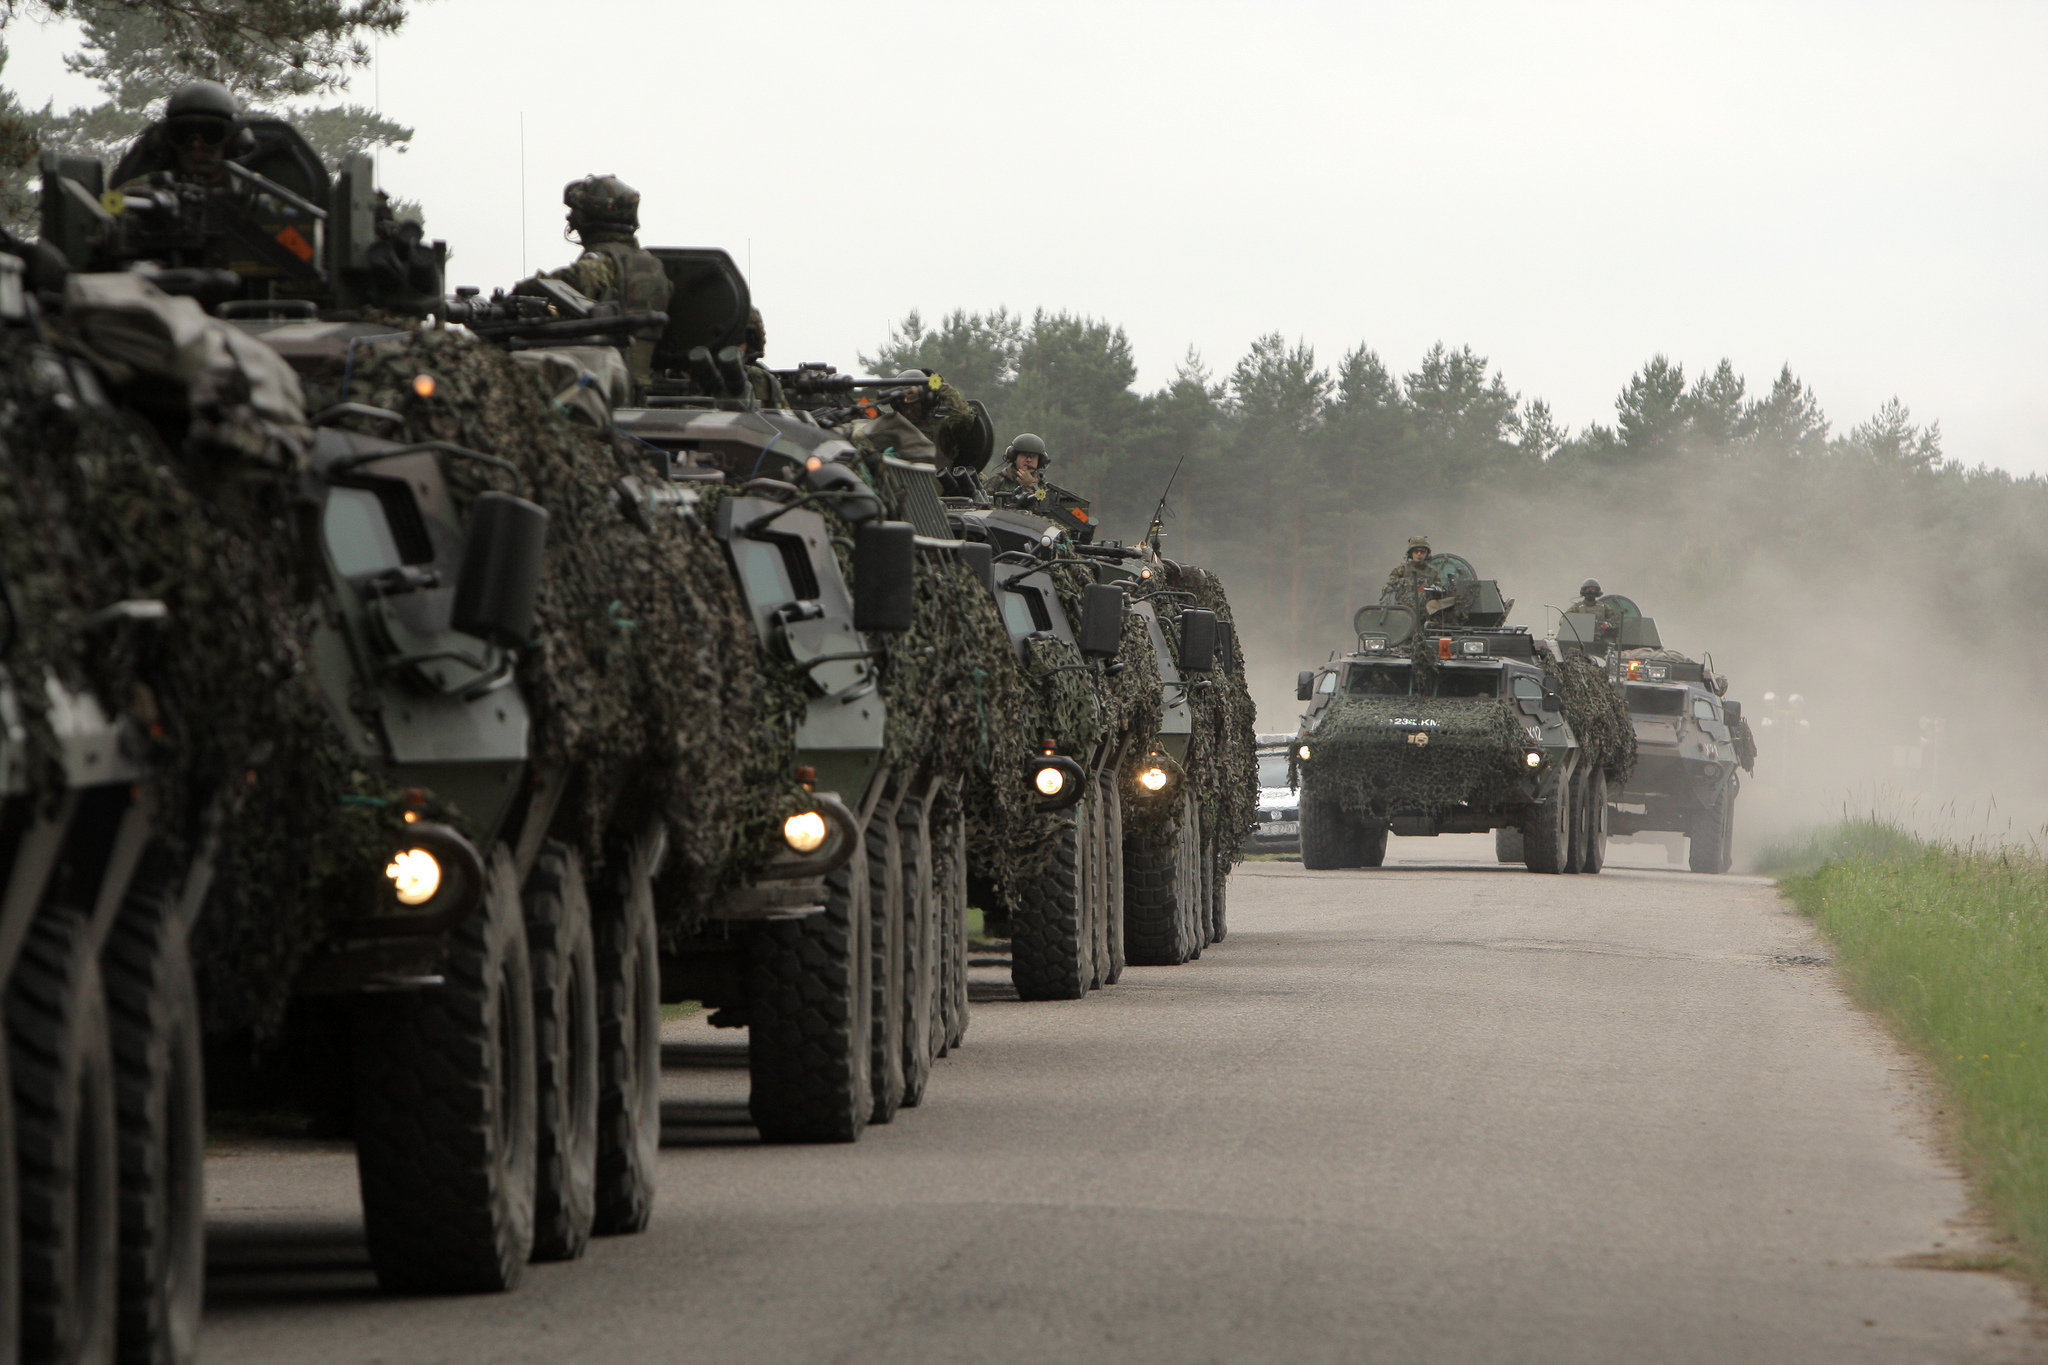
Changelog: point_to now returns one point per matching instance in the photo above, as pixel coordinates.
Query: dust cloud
(1884, 655)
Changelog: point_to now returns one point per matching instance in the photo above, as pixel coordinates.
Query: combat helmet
(206, 110)
(1590, 588)
(1418, 543)
(602, 202)
(1027, 444)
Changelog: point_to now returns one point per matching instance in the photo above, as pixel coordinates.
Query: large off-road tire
(1219, 896)
(951, 837)
(1369, 839)
(1328, 836)
(1162, 879)
(564, 952)
(1507, 845)
(628, 1042)
(884, 853)
(1709, 849)
(445, 1121)
(1205, 907)
(1112, 876)
(1096, 891)
(160, 1108)
(1575, 836)
(810, 1004)
(67, 1165)
(1050, 952)
(1594, 856)
(1547, 831)
(920, 950)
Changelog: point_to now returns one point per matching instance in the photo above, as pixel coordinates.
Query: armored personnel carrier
(510, 669)
(1457, 724)
(1692, 743)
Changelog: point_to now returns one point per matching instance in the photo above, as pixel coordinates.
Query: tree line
(1301, 480)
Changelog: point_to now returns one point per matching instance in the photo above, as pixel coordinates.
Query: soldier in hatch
(1414, 579)
(1606, 616)
(200, 130)
(604, 213)
(1018, 475)
(767, 388)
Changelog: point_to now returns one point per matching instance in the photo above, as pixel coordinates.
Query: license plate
(1279, 827)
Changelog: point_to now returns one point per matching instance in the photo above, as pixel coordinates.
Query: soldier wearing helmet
(604, 213)
(1606, 616)
(1019, 473)
(1413, 579)
(201, 130)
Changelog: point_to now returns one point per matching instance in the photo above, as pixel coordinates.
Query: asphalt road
(1442, 1111)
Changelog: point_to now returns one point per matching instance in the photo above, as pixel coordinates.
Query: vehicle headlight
(1533, 759)
(1049, 780)
(415, 876)
(1153, 778)
(1302, 752)
(804, 831)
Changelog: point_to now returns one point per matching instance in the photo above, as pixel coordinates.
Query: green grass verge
(1950, 945)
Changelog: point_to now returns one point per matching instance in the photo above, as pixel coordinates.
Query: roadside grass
(1949, 943)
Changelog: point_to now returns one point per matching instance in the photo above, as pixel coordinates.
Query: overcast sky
(1858, 189)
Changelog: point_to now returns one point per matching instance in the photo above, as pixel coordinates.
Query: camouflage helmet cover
(757, 332)
(1417, 543)
(1590, 588)
(202, 99)
(1027, 444)
(602, 200)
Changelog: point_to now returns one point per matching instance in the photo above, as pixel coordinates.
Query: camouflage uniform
(951, 425)
(614, 269)
(1405, 584)
(767, 388)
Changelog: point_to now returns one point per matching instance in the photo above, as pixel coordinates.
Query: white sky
(1857, 188)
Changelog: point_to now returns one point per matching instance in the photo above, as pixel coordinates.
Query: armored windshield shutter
(500, 576)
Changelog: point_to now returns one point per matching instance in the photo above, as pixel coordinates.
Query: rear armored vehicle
(1458, 725)
(1692, 742)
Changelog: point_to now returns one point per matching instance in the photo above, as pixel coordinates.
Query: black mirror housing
(884, 576)
(499, 581)
(1731, 711)
(982, 559)
(1197, 641)
(1102, 620)
(1304, 684)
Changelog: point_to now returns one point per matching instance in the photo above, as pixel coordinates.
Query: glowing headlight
(415, 876)
(1302, 752)
(1152, 779)
(1049, 780)
(804, 831)
(1533, 759)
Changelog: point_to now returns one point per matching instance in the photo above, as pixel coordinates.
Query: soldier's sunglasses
(210, 131)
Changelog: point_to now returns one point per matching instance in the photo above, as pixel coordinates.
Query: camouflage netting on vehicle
(1063, 710)
(644, 675)
(1598, 715)
(1223, 750)
(1363, 753)
(155, 500)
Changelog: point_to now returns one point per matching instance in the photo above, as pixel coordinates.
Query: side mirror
(1552, 703)
(1731, 711)
(1197, 641)
(982, 560)
(1102, 620)
(1304, 684)
(884, 576)
(500, 575)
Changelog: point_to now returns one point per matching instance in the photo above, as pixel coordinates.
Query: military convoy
(458, 701)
